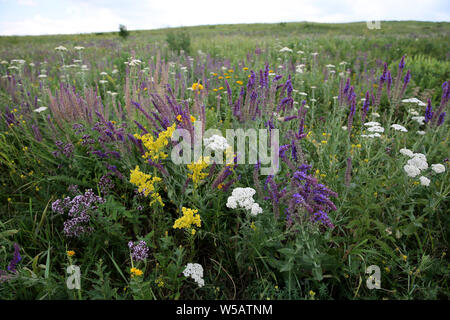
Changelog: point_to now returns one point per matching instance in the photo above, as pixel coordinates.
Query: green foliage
(123, 32)
(179, 40)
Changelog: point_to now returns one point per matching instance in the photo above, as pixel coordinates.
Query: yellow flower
(215, 74)
(153, 146)
(221, 88)
(220, 78)
(387, 269)
(312, 293)
(324, 142)
(136, 272)
(70, 253)
(252, 225)
(227, 77)
(193, 231)
(245, 68)
(239, 82)
(193, 119)
(197, 86)
(25, 149)
(404, 257)
(230, 70)
(9, 199)
(220, 186)
(160, 282)
(146, 184)
(179, 118)
(196, 168)
(189, 218)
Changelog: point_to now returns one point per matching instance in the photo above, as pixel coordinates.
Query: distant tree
(178, 41)
(123, 32)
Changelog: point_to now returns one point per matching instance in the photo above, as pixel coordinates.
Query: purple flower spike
(16, 258)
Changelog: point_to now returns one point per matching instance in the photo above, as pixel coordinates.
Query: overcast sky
(34, 17)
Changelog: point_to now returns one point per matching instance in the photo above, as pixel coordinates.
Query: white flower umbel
(424, 181)
(243, 198)
(375, 129)
(438, 168)
(407, 152)
(411, 171)
(195, 271)
(414, 100)
(399, 127)
(419, 119)
(61, 48)
(39, 110)
(373, 135)
(418, 162)
(216, 143)
(286, 49)
(372, 124)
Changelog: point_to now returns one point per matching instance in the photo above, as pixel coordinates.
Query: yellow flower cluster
(136, 272)
(196, 168)
(146, 184)
(197, 86)
(70, 253)
(188, 219)
(153, 146)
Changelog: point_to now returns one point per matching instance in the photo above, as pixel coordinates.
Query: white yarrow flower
(407, 152)
(399, 128)
(424, 181)
(39, 110)
(419, 119)
(243, 198)
(216, 143)
(285, 49)
(195, 271)
(419, 163)
(438, 168)
(376, 129)
(411, 171)
(372, 124)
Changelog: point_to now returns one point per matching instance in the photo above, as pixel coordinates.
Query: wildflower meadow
(299, 161)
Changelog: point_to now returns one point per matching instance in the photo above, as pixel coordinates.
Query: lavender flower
(79, 210)
(365, 107)
(350, 115)
(139, 252)
(16, 258)
(106, 185)
(428, 112)
(441, 119)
